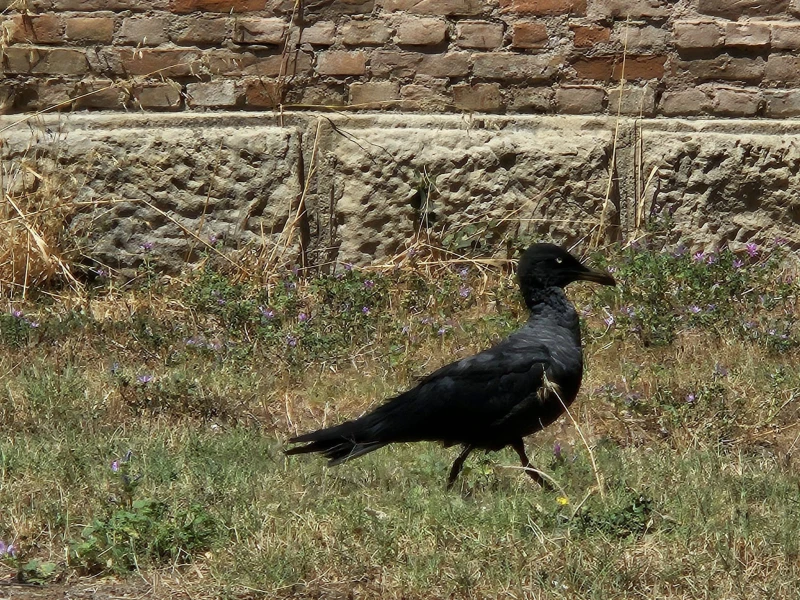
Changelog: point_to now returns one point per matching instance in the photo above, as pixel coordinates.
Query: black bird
(492, 399)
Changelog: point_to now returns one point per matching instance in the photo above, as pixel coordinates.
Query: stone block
(339, 63)
(142, 31)
(516, 67)
(90, 30)
(481, 97)
(212, 94)
(420, 31)
(375, 94)
(259, 31)
(365, 33)
(481, 35)
(544, 7)
(581, 100)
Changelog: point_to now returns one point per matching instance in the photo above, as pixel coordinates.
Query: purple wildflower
(147, 246)
(114, 368)
(711, 258)
(781, 241)
(115, 466)
(463, 272)
(11, 550)
(365, 310)
(266, 312)
(295, 270)
(291, 341)
(464, 291)
(557, 450)
(289, 285)
(16, 313)
(369, 284)
(738, 263)
(609, 321)
(720, 370)
(405, 329)
(3, 548)
(144, 379)
(680, 250)
(213, 239)
(695, 310)
(690, 398)
(752, 250)
(348, 267)
(442, 330)
(101, 272)
(426, 320)
(302, 317)
(412, 252)
(698, 256)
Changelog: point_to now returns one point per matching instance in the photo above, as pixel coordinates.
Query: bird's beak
(596, 276)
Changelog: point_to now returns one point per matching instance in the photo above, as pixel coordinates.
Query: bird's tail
(338, 444)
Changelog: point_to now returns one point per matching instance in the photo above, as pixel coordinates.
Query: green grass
(691, 416)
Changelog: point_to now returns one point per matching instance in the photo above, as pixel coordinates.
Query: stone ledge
(240, 176)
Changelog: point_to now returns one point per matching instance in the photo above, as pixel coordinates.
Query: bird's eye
(559, 260)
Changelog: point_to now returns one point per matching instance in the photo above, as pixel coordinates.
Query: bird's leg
(519, 446)
(456, 468)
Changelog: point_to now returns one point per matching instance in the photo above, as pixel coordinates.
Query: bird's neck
(551, 303)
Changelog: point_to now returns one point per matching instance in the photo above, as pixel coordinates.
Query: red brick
(221, 6)
(220, 93)
(785, 36)
(158, 96)
(725, 68)
(319, 34)
(735, 103)
(452, 64)
(203, 30)
(529, 34)
(586, 36)
(735, 9)
(691, 35)
(34, 29)
(259, 31)
(516, 67)
(636, 101)
(101, 95)
(783, 69)
(479, 34)
(47, 61)
(341, 63)
(163, 63)
(90, 30)
(605, 68)
(375, 94)
(544, 7)
(634, 9)
(641, 67)
(461, 8)
(481, 97)
(580, 100)
(781, 104)
(364, 33)
(419, 31)
(747, 34)
(688, 103)
(142, 31)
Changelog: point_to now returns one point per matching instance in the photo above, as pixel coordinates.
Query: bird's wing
(467, 397)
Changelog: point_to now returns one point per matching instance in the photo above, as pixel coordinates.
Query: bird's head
(547, 265)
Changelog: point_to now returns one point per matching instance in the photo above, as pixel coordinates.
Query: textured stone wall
(337, 188)
(723, 58)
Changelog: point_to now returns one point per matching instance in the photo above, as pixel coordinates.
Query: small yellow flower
(562, 500)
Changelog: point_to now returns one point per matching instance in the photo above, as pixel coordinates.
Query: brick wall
(724, 58)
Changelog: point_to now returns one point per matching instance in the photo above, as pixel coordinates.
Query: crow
(492, 399)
